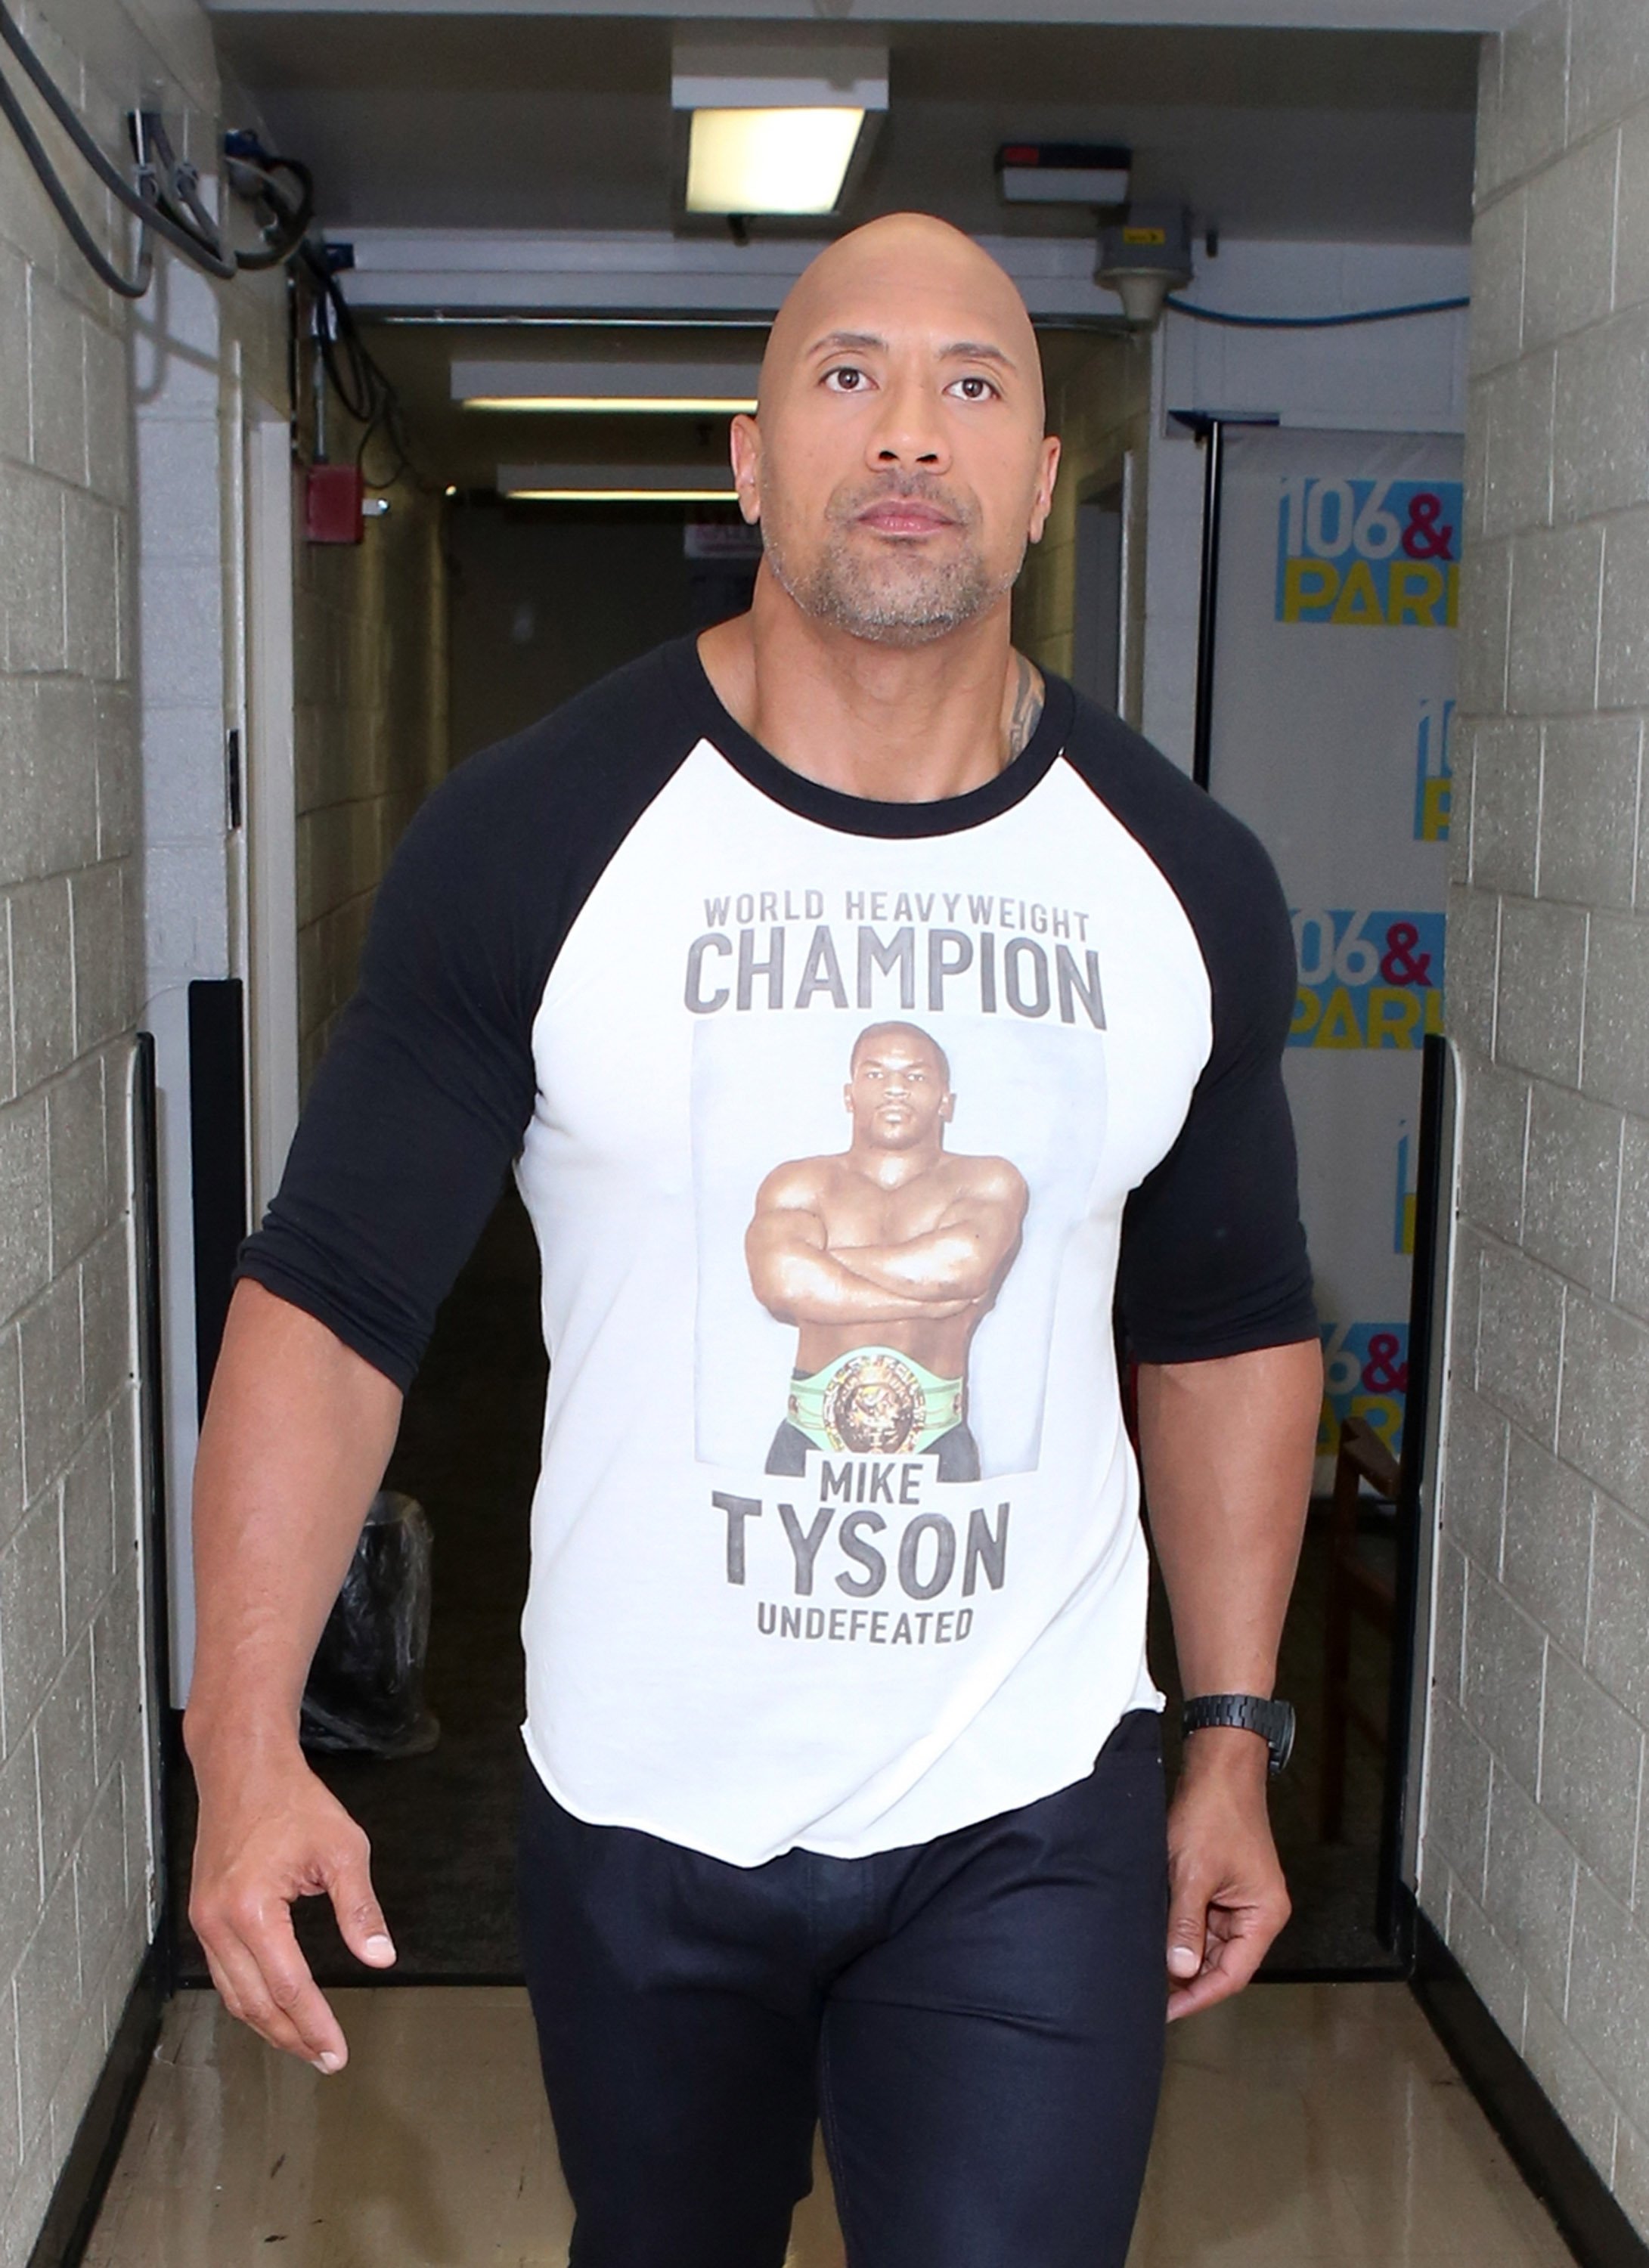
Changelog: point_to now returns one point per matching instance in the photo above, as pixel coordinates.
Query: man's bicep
(1003, 1209)
(416, 1112)
(991, 1210)
(1213, 1256)
(1213, 1259)
(389, 1183)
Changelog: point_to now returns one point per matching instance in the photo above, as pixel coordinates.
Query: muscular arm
(965, 1256)
(1227, 1448)
(798, 1280)
(296, 1434)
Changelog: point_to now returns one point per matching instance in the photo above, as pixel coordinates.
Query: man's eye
(846, 379)
(974, 388)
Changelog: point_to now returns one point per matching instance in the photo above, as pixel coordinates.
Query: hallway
(1302, 2126)
(365, 376)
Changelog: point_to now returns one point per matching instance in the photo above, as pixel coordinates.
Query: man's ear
(744, 446)
(1042, 504)
(847, 1098)
(947, 1108)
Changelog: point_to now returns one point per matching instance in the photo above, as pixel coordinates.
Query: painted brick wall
(74, 1769)
(1534, 1862)
(372, 733)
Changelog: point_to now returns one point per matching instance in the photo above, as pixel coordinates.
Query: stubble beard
(891, 594)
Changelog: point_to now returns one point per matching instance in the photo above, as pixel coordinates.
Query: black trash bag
(365, 1689)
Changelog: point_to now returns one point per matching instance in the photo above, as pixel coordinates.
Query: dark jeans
(957, 1450)
(979, 2019)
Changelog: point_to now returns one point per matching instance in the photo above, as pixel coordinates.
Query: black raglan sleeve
(423, 1099)
(1213, 1255)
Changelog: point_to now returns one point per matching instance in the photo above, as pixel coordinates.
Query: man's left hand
(1226, 1896)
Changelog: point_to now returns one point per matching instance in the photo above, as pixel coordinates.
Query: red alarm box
(333, 499)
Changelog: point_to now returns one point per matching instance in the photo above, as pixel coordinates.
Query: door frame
(269, 800)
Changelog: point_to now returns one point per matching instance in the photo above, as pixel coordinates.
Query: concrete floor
(1301, 2125)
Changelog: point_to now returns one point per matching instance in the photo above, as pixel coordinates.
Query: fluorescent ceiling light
(618, 496)
(704, 389)
(616, 483)
(776, 122)
(770, 161)
(617, 404)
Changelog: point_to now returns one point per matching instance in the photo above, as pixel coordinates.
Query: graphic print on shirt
(886, 1256)
(884, 1201)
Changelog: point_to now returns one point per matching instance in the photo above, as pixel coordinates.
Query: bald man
(842, 1784)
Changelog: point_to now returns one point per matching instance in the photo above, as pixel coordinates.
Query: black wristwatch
(1272, 1720)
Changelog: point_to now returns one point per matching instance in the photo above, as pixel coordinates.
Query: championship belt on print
(875, 1404)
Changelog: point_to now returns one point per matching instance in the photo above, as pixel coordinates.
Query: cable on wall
(164, 197)
(129, 287)
(165, 200)
(1311, 322)
(367, 394)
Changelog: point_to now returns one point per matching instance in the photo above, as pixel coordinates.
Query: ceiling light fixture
(702, 390)
(619, 404)
(775, 127)
(616, 483)
(618, 496)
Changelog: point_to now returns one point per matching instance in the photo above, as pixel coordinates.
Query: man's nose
(911, 429)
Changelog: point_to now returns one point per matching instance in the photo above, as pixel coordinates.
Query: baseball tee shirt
(841, 1126)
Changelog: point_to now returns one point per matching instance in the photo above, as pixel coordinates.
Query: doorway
(1327, 677)
(1096, 645)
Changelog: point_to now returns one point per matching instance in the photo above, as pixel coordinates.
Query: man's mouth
(904, 515)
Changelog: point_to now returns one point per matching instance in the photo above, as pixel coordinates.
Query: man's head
(898, 1093)
(897, 462)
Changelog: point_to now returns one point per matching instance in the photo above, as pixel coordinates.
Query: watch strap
(1250, 1713)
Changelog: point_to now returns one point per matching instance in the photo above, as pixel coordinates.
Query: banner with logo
(1333, 704)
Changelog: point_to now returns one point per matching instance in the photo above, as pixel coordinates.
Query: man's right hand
(270, 1832)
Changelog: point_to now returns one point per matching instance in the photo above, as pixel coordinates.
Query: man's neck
(891, 1169)
(894, 724)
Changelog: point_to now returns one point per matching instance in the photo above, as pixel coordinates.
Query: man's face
(898, 465)
(897, 1095)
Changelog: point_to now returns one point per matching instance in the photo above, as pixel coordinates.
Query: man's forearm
(809, 1286)
(1227, 1448)
(296, 1434)
(943, 1264)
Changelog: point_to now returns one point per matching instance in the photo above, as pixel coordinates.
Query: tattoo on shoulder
(1027, 705)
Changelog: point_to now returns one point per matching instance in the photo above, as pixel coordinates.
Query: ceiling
(557, 123)
(564, 122)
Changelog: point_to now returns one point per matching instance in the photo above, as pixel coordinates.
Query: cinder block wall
(1535, 1863)
(372, 731)
(1098, 403)
(75, 1892)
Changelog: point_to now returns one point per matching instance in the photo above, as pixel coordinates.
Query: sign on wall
(1333, 704)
